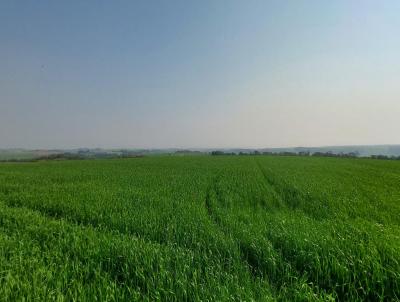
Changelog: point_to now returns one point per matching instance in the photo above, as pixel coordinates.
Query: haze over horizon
(211, 74)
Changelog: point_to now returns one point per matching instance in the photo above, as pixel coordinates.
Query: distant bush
(331, 154)
(18, 160)
(385, 157)
(60, 156)
(218, 152)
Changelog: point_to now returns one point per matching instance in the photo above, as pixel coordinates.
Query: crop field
(210, 228)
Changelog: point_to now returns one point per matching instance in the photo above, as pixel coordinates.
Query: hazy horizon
(207, 74)
(338, 147)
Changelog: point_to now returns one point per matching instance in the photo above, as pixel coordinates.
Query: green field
(200, 228)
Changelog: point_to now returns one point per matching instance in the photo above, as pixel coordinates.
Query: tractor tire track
(247, 254)
(295, 199)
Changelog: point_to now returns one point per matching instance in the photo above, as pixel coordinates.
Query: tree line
(305, 153)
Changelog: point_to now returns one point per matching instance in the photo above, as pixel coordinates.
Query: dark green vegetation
(198, 228)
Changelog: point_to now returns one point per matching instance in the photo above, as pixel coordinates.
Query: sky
(199, 74)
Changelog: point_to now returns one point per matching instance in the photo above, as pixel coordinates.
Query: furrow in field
(59, 217)
(246, 257)
(130, 268)
(72, 219)
(265, 263)
(126, 263)
(208, 203)
(217, 244)
(329, 266)
(294, 198)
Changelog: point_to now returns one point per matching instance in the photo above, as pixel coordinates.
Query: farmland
(188, 228)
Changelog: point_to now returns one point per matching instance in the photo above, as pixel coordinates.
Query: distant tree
(286, 153)
(267, 153)
(218, 152)
(380, 157)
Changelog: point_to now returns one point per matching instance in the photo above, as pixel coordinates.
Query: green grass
(251, 228)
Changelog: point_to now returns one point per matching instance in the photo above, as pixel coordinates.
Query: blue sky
(148, 74)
